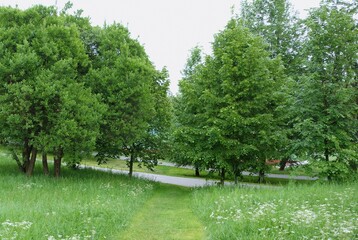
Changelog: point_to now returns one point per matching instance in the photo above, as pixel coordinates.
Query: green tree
(160, 123)
(135, 94)
(327, 125)
(278, 24)
(246, 87)
(43, 104)
(229, 106)
(188, 138)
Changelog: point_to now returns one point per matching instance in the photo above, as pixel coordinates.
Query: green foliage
(279, 26)
(276, 22)
(188, 140)
(54, 64)
(240, 107)
(228, 106)
(135, 94)
(43, 104)
(327, 101)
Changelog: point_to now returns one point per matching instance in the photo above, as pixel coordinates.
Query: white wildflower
(303, 216)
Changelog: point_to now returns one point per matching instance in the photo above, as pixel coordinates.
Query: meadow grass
(82, 204)
(88, 204)
(319, 211)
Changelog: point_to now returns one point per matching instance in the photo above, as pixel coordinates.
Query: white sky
(167, 28)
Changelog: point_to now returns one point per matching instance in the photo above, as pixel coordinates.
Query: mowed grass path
(166, 215)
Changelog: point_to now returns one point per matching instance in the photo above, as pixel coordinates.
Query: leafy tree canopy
(44, 106)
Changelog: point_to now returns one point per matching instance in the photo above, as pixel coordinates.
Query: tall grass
(292, 212)
(83, 204)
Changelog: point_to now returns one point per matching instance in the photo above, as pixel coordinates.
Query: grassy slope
(167, 215)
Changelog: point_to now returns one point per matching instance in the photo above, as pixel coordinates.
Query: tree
(186, 137)
(135, 94)
(157, 142)
(279, 25)
(327, 125)
(229, 106)
(43, 104)
(247, 87)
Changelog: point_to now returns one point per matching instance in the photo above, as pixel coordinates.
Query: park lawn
(318, 211)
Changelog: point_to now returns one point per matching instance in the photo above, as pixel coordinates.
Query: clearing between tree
(167, 215)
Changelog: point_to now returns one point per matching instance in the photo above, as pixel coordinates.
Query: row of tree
(70, 89)
(275, 87)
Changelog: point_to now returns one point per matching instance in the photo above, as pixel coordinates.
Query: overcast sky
(168, 29)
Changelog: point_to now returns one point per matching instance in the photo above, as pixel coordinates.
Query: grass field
(292, 212)
(85, 204)
(81, 205)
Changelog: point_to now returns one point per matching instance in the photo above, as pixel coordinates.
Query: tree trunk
(222, 176)
(131, 162)
(353, 165)
(326, 157)
(57, 163)
(235, 170)
(283, 163)
(197, 172)
(57, 166)
(326, 151)
(236, 178)
(261, 176)
(45, 164)
(18, 162)
(31, 163)
(26, 152)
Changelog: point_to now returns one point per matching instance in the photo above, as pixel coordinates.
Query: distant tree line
(70, 90)
(275, 87)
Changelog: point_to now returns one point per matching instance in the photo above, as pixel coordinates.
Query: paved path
(281, 176)
(180, 181)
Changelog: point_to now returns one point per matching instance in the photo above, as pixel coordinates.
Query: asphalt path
(180, 181)
(281, 176)
(193, 182)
